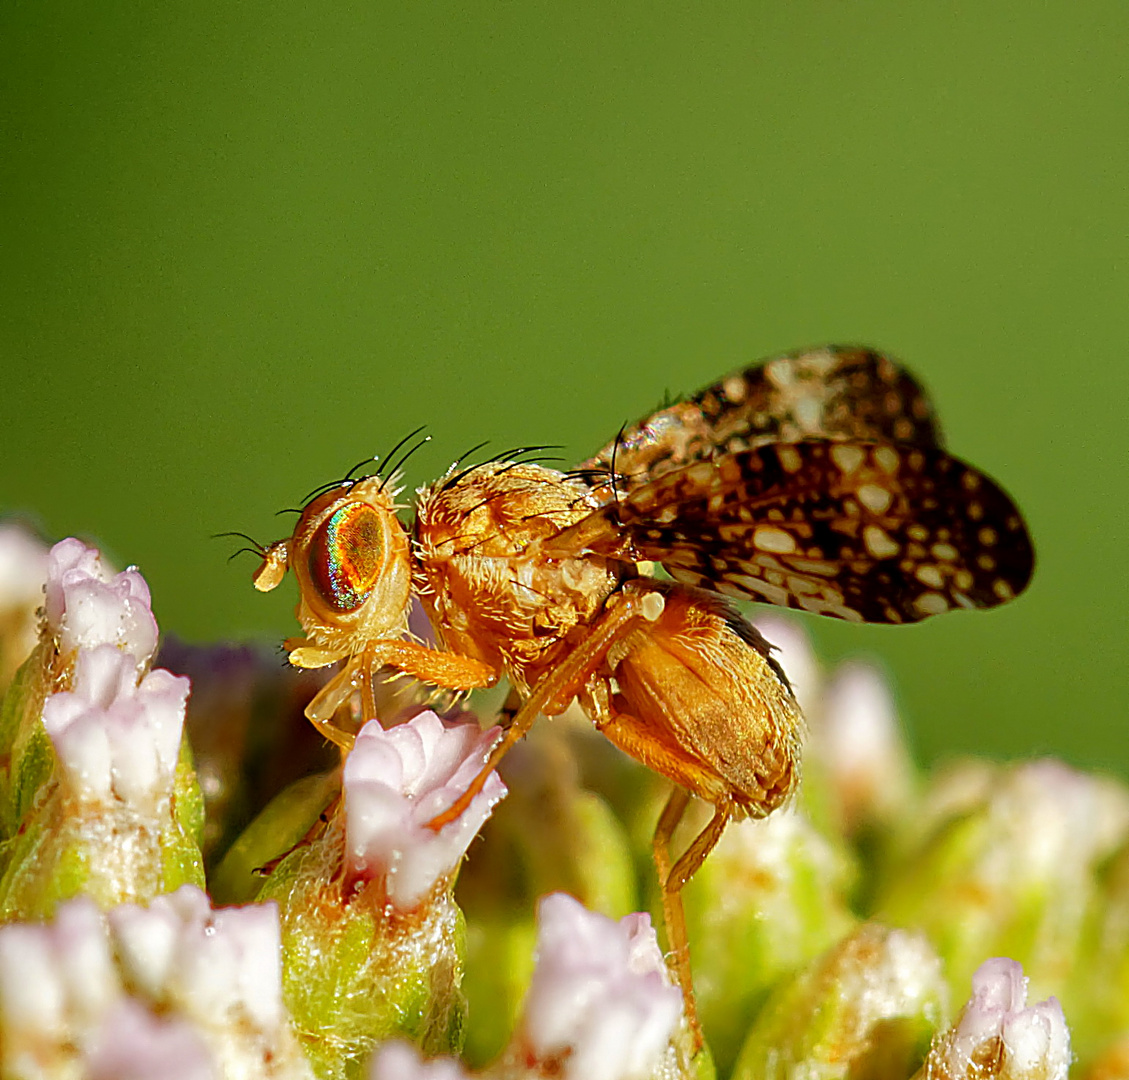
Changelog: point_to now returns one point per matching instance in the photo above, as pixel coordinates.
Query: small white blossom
(56, 978)
(23, 573)
(134, 1044)
(56, 984)
(220, 966)
(600, 998)
(175, 990)
(86, 606)
(401, 1061)
(860, 746)
(1027, 1042)
(398, 780)
(23, 568)
(113, 736)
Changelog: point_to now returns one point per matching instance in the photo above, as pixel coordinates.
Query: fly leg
(554, 692)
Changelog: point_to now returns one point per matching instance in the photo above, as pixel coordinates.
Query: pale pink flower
(115, 992)
(24, 565)
(222, 967)
(58, 978)
(600, 999)
(859, 741)
(116, 738)
(87, 606)
(1034, 1039)
(398, 1060)
(134, 1044)
(398, 780)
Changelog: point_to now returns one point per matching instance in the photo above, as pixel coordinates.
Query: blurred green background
(246, 244)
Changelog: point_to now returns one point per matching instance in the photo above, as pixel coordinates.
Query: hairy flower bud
(999, 1035)
(601, 1004)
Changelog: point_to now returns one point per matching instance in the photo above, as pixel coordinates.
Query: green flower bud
(868, 1007)
(770, 897)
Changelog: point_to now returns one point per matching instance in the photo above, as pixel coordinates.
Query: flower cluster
(174, 989)
(190, 887)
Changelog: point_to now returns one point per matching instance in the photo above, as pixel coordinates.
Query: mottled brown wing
(871, 532)
(833, 392)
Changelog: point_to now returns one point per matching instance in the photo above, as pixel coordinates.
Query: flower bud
(23, 573)
(87, 606)
(1006, 860)
(373, 939)
(102, 799)
(874, 999)
(998, 1035)
(396, 1060)
(175, 989)
(771, 897)
(600, 1005)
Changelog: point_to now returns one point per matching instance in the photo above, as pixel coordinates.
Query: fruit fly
(815, 480)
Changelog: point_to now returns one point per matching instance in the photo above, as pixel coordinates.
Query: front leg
(632, 608)
(447, 670)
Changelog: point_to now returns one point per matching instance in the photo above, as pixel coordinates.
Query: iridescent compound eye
(345, 557)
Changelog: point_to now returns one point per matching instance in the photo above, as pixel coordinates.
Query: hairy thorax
(483, 574)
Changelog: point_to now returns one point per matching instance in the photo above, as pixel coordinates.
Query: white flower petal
(398, 1060)
(87, 607)
(600, 992)
(1035, 1039)
(395, 782)
(24, 564)
(133, 1044)
(113, 736)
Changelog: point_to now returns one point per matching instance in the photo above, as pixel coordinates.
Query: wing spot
(988, 536)
(814, 566)
(917, 532)
(970, 481)
(802, 586)
(789, 457)
(770, 538)
(755, 587)
(945, 552)
(702, 475)
(847, 457)
(930, 575)
(985, 561)
(879, 543)
(963, 579)
(931, 603)
(887, 459)
(735, 388)
(876, 499)
(1002, 589)
(730, 471)
(974, 510)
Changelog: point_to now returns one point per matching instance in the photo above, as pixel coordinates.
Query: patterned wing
(835, 392)
(872, 532)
